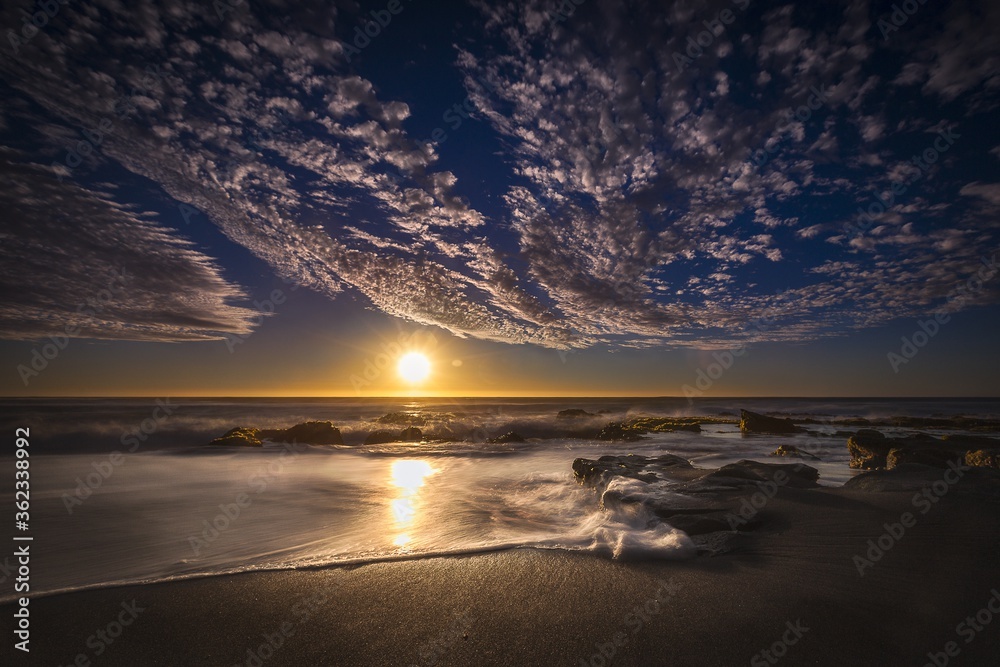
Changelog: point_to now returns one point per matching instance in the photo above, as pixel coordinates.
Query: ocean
(125, 491)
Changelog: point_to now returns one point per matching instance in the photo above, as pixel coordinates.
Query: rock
(631, 465)
(928, 456)
(868, 449)
(617, 431)
(793, 451)
(751, 422)
(574, 413)
(239, 437)
(982, 459)
(741, 473)
(980, 482)
(402, 418)
(381, 437)
(309, 433)
(510, 436)
(662, 424)
(411, 434)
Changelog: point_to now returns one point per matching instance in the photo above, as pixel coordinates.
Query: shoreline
(529, 606)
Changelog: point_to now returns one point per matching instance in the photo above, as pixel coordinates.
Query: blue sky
(594, 198)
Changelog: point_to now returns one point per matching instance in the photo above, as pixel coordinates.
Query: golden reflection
(408, 476)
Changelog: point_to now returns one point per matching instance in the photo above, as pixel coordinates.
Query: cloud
(630, 179)
(79, 263)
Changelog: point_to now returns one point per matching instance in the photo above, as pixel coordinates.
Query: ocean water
(124, 490)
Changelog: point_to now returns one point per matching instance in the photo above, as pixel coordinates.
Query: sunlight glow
(414, 367)
(408, 475)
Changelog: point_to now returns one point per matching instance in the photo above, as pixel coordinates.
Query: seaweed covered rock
(751, 422)
(510, 436)
(618, 431)
(239, 437)
(982, 458)
(793, 452)
(868, 449)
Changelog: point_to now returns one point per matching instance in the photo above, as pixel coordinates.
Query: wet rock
(662, 424)
(983, 459)
(411, 434)
(747, 472)
(631, 465)
(928, 456)
(617, 431)
(381, 437)
(751, 422)
(239, 437)
(793, 451)
(574, 413)
(510, 436)
(868, 449)
(309, 433)
(402, 419)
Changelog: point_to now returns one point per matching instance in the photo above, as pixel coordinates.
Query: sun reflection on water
(408, 475)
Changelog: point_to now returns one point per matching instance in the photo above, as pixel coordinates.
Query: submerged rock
(239, 437)
(574, 413)
(510, 436)
(402, 418)
(751, 422)
(793, 451)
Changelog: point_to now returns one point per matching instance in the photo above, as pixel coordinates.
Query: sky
(267, 198)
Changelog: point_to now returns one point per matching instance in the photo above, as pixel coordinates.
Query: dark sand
(528, 607)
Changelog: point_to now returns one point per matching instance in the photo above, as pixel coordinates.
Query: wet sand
(791, 588)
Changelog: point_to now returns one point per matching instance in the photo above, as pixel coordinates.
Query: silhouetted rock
(309, 433)
(239, 437)
(411, 434)
(381, 437)
(928, 456)
(793, 451)
(751, 422)
(573, 413)
(402, 419)
(510, 436)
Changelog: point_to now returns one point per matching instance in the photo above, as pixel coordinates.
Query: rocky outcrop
(751, 422)
(663, 424)
(307, 433)
(794, 452)
(871, 450)
(617, 431)
(239, 437)
(982, 458)
(510, 436)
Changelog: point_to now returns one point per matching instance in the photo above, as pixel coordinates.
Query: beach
(791, 588)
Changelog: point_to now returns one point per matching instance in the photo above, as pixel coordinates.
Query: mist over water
(169, 507)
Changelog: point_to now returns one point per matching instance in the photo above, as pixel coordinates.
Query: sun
(414, 367)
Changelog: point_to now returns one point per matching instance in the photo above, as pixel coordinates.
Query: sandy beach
(791, 589)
